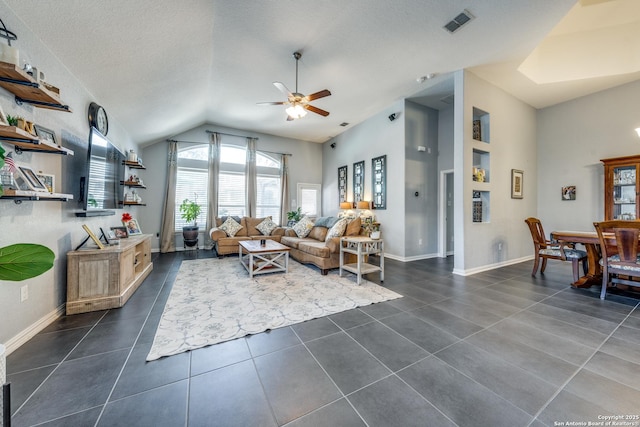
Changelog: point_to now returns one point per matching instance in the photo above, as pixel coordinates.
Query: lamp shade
(345, 205)
(363, 204)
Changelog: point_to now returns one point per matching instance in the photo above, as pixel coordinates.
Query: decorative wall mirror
(342, 184)
(379, 182)
(358, 181)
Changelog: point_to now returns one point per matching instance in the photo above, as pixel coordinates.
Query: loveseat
(315, 248)
(227, 243)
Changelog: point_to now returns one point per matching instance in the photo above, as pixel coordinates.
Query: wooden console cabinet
(99, 279)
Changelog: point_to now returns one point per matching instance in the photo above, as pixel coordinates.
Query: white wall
(421, 176)
(52, 224)
(572, 138)
(512, 146)
(305, 165)
(374, 137)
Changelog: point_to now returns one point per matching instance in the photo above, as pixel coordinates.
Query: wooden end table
(361, 247)
(260, 259)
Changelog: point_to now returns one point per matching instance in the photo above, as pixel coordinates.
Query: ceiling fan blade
(318, 95)
(316, 110)
(272, 103)
(282, 88)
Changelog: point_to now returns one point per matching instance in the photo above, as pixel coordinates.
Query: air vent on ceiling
(447, 99)
(343, 124)
(457, 22)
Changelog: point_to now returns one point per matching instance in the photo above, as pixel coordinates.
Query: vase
(190, 235)
(375, 235)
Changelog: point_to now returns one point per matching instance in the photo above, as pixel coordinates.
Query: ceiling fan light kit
(298, 104)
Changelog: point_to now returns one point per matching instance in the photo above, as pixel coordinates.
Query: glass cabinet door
(624, 192)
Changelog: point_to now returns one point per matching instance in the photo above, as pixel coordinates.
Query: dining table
(591, 243)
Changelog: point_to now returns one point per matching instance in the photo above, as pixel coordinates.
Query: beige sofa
(313, 249)
(226, 245)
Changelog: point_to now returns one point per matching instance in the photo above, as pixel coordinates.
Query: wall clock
(98, 118)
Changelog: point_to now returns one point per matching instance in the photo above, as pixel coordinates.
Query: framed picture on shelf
(132, 227)
(517, 177)
(32, 180)
(93, 236)
(45, 134)
(119, 232)
(48, 180)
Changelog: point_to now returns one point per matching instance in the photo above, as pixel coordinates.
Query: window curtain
(284, 188)
(212, 190)
(251, 178)
(167, 241)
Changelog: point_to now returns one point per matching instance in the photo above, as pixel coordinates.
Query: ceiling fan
(298, 104)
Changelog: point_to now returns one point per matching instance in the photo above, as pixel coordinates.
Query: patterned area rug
(213, 300)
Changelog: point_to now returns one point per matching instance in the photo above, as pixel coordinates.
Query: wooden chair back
(537, 233)
(620, 238)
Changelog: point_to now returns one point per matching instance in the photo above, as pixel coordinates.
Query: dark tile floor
(498, 348)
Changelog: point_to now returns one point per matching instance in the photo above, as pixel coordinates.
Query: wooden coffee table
(271, 257)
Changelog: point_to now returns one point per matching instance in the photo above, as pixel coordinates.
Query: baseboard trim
(475, 270)
(24, 336)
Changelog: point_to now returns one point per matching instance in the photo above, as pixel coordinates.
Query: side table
(361, 246)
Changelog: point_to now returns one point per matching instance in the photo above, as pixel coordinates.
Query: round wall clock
(98, 118)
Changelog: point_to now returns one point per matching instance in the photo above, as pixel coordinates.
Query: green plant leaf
(24, 260)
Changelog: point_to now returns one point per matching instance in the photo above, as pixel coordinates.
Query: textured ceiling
(161, 67)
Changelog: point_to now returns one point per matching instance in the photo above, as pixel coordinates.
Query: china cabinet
(621, 188)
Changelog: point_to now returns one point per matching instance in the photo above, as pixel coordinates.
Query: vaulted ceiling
(161, 67)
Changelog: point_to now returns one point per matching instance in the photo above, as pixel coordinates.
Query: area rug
(214, 300)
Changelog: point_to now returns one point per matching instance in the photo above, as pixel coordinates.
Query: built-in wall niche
(480, 206)
(481, 125)
(481, 165)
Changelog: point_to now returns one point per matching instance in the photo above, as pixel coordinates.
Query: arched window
(193, 175)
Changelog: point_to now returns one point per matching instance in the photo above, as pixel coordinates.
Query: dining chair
(546, 249)
(619, 248)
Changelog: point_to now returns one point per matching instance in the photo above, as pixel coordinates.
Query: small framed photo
(569, 192)
(93, 236)
(48, 180)
(45, 134)
(517, 177)
(32, 180)
(132, 227)
(119, 232)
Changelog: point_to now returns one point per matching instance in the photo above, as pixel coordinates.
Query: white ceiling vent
(457, 22)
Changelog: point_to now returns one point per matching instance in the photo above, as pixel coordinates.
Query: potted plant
(189, 211)
(294, 216)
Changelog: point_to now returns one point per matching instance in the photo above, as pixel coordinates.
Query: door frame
(442, 210)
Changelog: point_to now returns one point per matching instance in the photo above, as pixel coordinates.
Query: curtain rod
(231, 134)
(203, 142)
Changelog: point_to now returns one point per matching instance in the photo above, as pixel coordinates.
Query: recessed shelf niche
(481, 166)
(480, 206)
(481, 125)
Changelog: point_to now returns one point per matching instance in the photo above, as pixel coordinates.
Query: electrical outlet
(419, 241)
(500, 246)
(24, 293)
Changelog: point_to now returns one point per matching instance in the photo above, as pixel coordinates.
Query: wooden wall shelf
(133, 184)
(19, 195)
(24, 141)
(134, 165)
(27, 89)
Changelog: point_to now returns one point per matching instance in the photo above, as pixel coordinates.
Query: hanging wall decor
(342, 184)
(379, 182)
(358, 181)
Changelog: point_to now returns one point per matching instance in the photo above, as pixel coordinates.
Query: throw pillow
(326, 221)
(337, 230)
(318, 233)
(266, 226)
(230, 227)
(303, 227)
(353, 228)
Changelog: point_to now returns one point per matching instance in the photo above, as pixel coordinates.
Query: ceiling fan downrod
(297, 55)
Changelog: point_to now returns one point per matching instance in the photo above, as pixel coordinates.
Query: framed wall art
(342, 184)
(379, 182)
(358, 181)
(569, 192)
(517, 177)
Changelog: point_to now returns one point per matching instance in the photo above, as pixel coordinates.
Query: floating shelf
(24, 141)
(134, 165)
(133, 184)
(19, 195)
(133, 204)
(26, 89)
